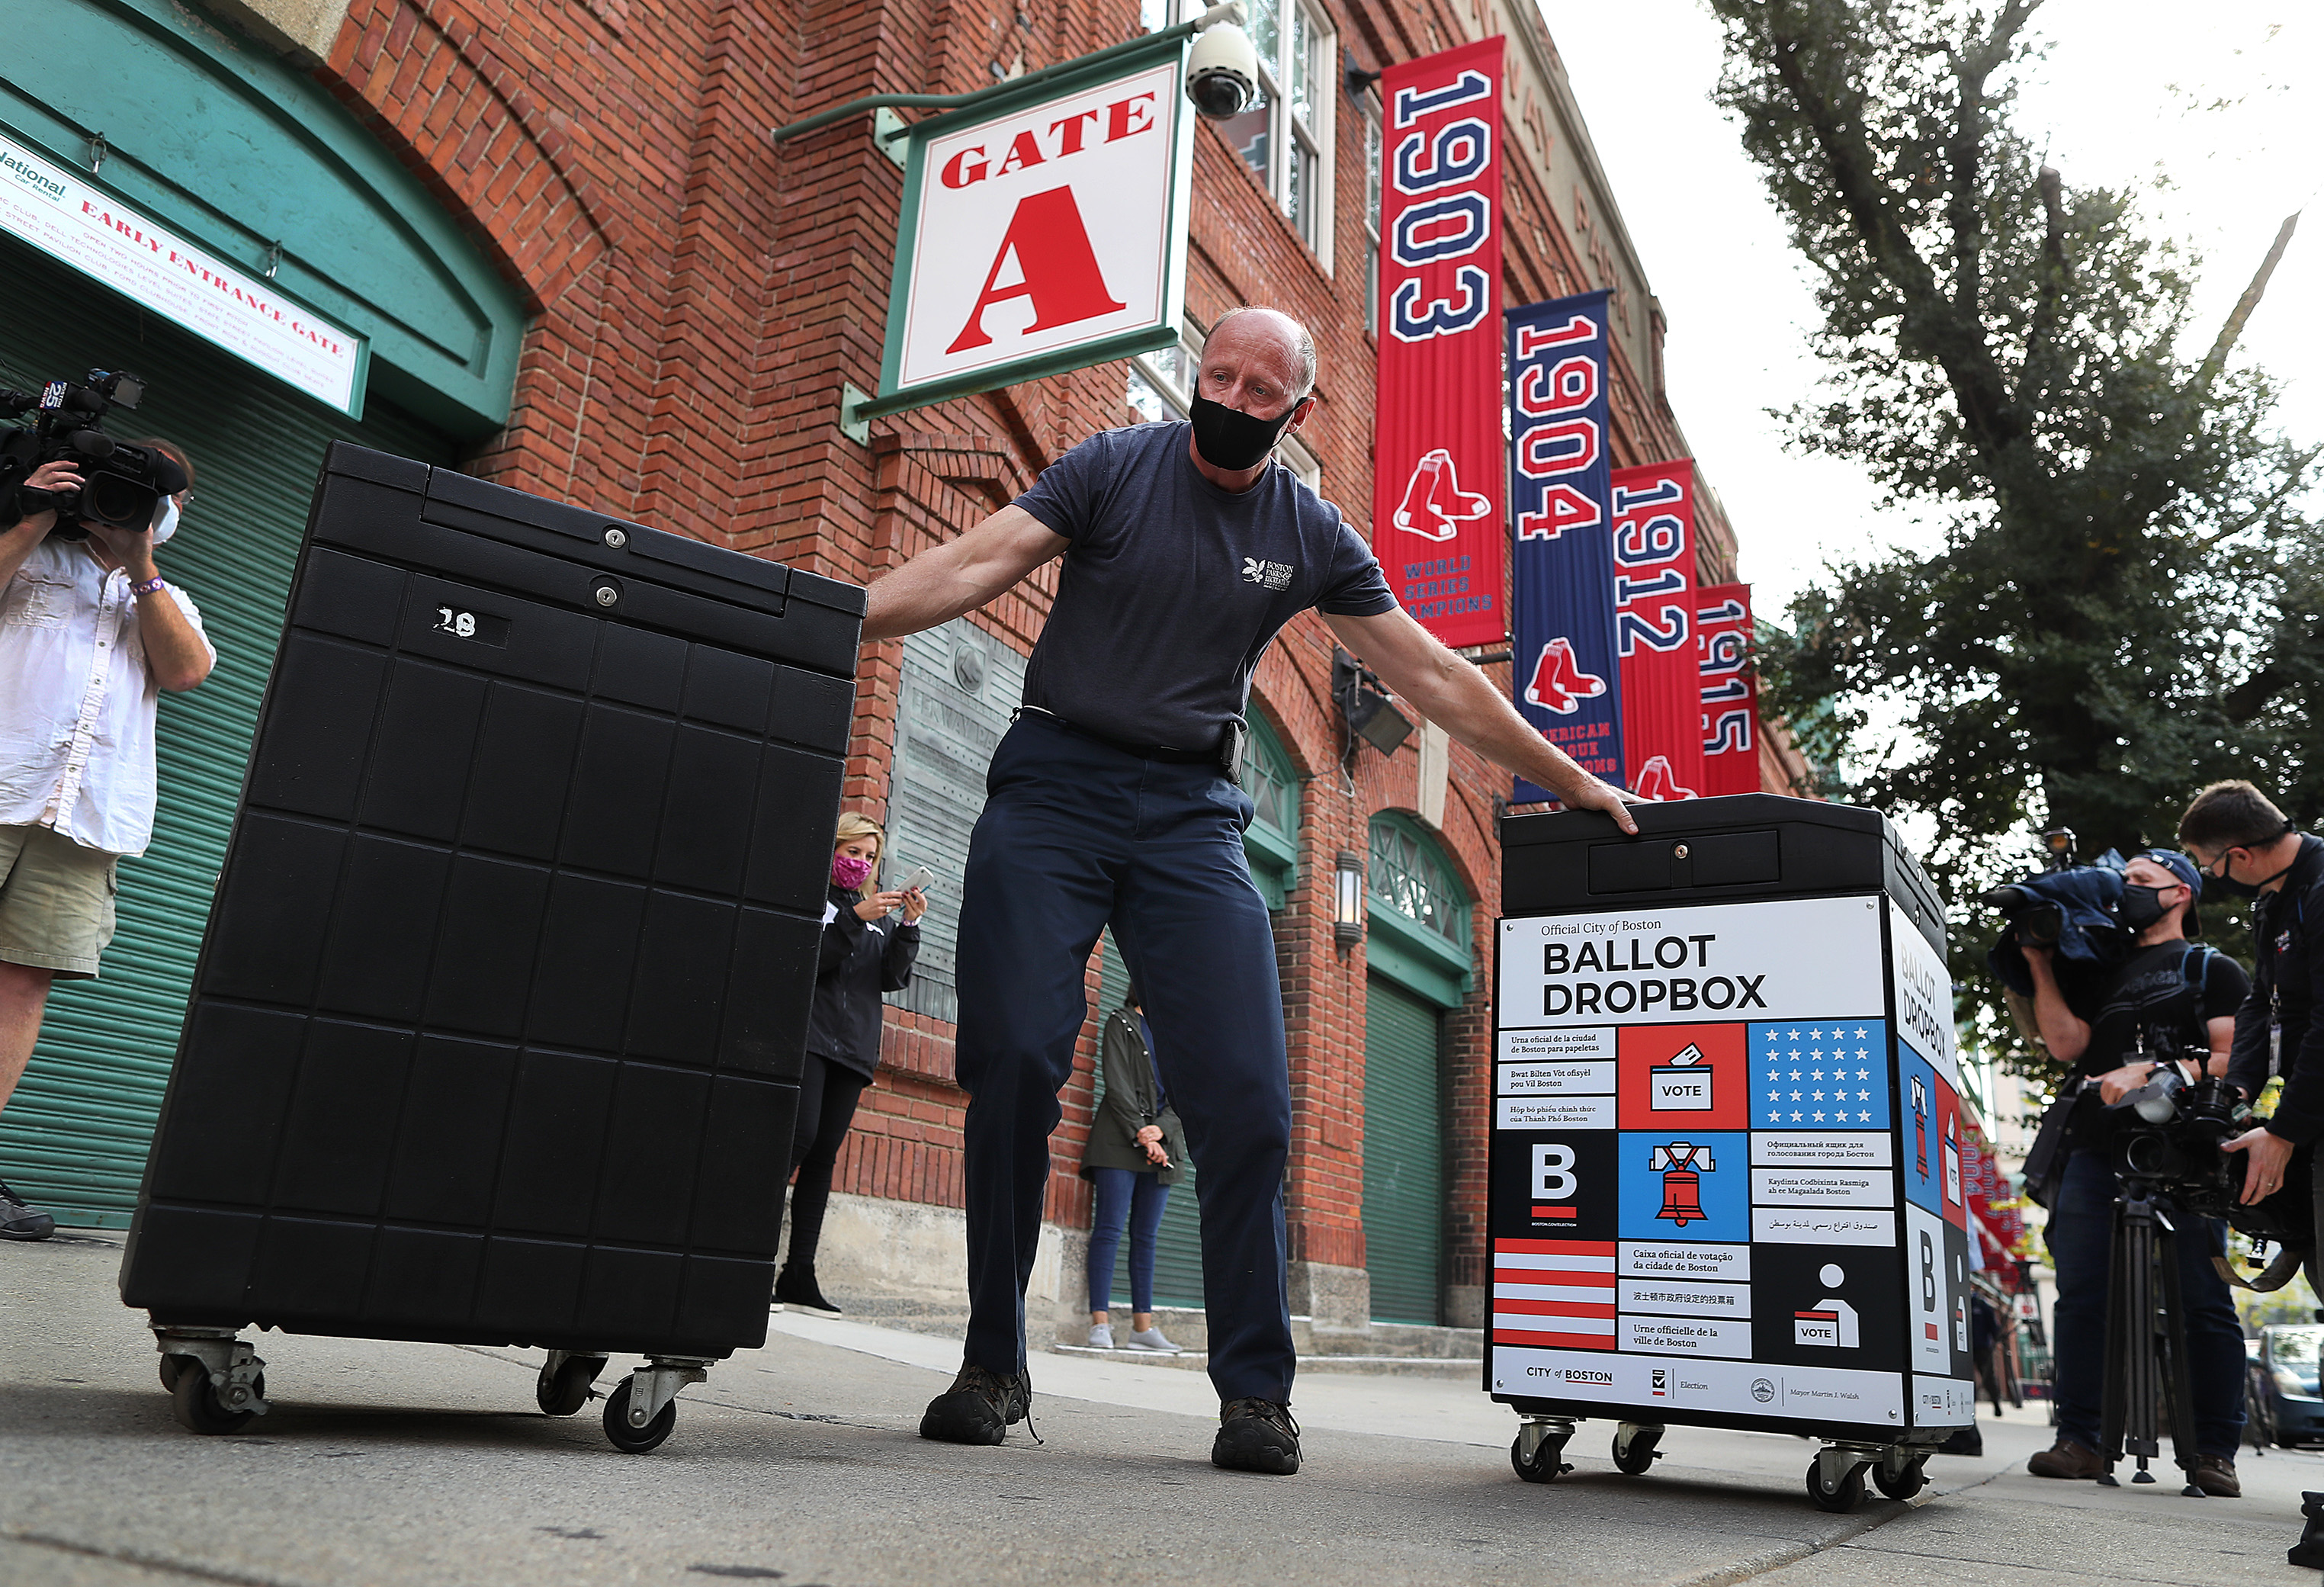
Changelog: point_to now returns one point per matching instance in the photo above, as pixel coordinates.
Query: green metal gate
(73, 1141)
(1404, 1160)
(1178, 1243)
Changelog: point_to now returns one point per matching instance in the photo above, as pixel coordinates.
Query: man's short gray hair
(1302, 339)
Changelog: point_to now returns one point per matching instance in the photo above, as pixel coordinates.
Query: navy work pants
(2081, 1249)
(1076, 834)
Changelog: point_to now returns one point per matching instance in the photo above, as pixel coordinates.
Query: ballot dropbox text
(1726, 1165)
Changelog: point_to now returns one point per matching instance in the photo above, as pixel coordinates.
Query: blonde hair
(851, 826)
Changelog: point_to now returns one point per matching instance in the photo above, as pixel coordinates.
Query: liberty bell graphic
(1656, 782)
(1920, 1126)
(1558, 684)
(1682, 1166)
(1435, 505)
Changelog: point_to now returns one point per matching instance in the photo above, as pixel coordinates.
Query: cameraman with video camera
(89, 634)
(2170, 999)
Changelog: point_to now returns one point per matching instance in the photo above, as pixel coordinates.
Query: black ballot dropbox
(1725, 1170)
(499, 1020)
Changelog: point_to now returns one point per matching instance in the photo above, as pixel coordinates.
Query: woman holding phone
(865, 954)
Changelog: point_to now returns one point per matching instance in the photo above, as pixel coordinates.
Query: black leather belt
(1162, 753)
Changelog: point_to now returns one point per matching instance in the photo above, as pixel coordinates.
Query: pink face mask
(849, 872)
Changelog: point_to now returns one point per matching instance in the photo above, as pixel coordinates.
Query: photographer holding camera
(89, 634)
(2249, 847)
(2169, 998)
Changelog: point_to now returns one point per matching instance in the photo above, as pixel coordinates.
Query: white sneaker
(1151, 1339)
(1101, 1336)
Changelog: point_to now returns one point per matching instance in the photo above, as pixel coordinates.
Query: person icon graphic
(1832, 1322)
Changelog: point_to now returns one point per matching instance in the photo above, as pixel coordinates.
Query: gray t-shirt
(1174, 588)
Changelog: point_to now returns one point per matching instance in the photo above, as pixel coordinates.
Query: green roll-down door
(1404, 1155)
(73, 1139)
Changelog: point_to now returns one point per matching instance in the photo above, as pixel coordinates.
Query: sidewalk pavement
(413, 1463)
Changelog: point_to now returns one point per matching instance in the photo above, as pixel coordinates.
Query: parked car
(2284, 1403)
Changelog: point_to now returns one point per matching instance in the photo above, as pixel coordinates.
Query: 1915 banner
(1654, 629)
(1731, 693)
(1564, 671)
(1436, 492)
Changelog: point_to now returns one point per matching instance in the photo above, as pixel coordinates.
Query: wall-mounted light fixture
(1348, 897)
(1370, 714)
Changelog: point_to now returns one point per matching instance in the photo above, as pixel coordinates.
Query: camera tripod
(2146, 1339)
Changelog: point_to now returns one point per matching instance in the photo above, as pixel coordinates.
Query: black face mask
(1234, 441)
(2244, 889)
(2141, 907)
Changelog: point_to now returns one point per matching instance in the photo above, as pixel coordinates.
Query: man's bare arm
(959, 575)
(1461, 700)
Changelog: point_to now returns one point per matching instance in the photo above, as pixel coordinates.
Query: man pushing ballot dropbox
(1725, 1168)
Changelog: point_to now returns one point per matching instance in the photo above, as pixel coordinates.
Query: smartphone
(918, 876)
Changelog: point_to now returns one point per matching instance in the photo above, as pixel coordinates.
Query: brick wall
(701, 295)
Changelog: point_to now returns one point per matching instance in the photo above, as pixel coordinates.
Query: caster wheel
(1840, 1501)
(170, 1365)
(1640, 1454)
(567, 1390)
(195, 1404)
(1905, 1484)
(1547, 1464)
(637, 1440)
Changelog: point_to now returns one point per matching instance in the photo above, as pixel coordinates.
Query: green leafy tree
(2126, 602)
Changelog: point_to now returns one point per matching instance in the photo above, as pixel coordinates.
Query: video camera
(122, 483)
(2069, 908)
(2170, 1136)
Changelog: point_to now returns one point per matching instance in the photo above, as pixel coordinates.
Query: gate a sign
(1041, 232)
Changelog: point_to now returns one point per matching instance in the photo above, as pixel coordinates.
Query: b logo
(1552, 1177)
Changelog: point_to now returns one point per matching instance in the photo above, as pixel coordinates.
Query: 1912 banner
(1563, 667)
(1436, 492)
(1654, 629)
(1731, 693)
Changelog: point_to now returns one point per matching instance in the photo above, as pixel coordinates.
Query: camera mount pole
(2146, 1340)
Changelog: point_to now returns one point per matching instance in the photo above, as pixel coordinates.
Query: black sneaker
(802, 1294)
(979, 1407)
(1257, 1435)
(19, 1222)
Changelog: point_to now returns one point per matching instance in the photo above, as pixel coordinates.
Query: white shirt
(76, 701)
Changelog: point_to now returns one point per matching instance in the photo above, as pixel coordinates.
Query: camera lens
(1220, 94)
(111, 500)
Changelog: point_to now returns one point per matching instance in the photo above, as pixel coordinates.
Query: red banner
(1731, 693)
(1654, 629)
(1437, 455)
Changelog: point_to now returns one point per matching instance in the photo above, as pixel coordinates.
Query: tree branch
(2216, 358)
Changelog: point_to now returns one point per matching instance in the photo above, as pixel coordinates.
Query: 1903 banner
(1564, 669)
(1436, 492)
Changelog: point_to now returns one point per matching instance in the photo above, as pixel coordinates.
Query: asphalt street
(414, 1464)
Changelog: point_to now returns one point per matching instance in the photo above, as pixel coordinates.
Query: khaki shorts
(56, 901)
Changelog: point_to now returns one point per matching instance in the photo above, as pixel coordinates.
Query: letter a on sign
(1055, 268)
(1043, 229)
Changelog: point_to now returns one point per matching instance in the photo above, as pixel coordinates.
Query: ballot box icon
(1682, 1084)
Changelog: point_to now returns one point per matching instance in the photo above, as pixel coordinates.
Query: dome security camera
(1222, 72)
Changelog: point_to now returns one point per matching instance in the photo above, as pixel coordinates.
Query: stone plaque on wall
(959, 685)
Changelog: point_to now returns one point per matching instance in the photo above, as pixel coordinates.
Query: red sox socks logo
(1435, 504)
(1558, 684)
(1655, 781)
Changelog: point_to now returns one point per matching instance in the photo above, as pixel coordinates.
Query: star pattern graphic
(1826, 1074)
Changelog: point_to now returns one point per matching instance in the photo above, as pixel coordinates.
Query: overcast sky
(2114, 102)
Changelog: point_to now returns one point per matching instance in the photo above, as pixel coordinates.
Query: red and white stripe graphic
(1553, 1292)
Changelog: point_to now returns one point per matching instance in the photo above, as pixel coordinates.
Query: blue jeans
(2080, 1239)
(1077, 833)
(1124, 1194)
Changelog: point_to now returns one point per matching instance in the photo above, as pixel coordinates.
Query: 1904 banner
(1436, 491)
(1564, 669)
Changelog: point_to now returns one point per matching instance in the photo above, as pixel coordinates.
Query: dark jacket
(1128, 1106)
(2287, 984)
(861, 959)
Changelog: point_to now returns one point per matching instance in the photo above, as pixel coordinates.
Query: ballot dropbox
(1725, 1168)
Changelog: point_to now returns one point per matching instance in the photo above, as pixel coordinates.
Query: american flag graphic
(1558, 1292)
